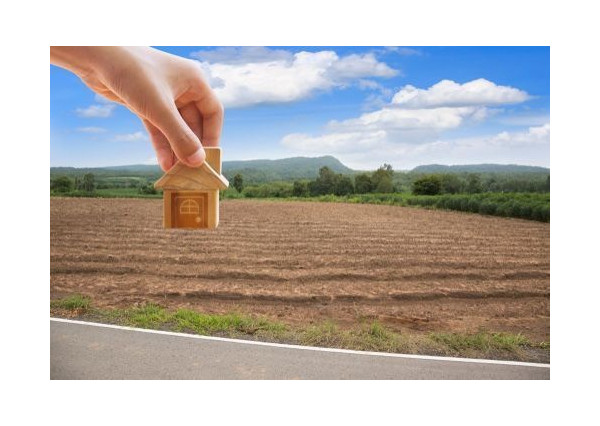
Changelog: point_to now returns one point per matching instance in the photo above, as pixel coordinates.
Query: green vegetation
(238, 182)
(428, 185)
(532, 206)
(365, 335)
(482, 341)
(73, 302)
(507, 191)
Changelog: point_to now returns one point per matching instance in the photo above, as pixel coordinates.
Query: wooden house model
(191, 195)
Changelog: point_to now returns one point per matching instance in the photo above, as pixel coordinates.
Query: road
(81, 350)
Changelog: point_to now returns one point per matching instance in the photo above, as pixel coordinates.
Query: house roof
(183, 177)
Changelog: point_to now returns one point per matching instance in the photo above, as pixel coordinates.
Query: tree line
(385, 180)
(89, 183)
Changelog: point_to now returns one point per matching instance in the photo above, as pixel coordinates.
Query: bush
(343, 186)
(300, 189)
(61, 184)
(363, 184)
(147, 188)
(427, 185)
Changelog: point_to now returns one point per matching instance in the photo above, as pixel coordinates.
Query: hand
(168, 93)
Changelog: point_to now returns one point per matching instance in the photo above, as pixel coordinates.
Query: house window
(189, 207)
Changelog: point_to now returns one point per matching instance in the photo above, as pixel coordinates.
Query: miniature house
(191, 195)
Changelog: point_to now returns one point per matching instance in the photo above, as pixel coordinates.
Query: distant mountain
(479, 168)
(253, 171)
(283, 169)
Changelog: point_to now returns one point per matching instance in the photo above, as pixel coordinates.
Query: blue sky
(365, 105)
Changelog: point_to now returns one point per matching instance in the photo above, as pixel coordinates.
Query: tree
(363, 184)
(61, 184)
(474, 183)
(325, 183)
(238, 182)
(382, 179)
(300, 189)
(343, 186)
(451, 184)
(427, 185)
(89, 182)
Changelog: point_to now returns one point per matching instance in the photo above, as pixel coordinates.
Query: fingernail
(197, 158)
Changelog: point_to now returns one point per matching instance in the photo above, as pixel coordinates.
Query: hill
(253, 171)
(256, 171)
(479, 168)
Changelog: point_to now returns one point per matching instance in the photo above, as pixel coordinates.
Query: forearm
(84, 60)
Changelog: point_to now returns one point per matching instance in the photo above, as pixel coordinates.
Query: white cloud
(253, 76)
(366, 84)
(529, 146)
(91, 129)
(448, 93)
(410, 135)
(390, 118)
(335, 142)
(96, 111)
(131, 137)
(538, 135)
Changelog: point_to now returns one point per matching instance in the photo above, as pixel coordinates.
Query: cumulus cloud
(411, 127)
(529, 146)
(448, 93)
(131, 137)
(537, 135)
(335, 142)
(91, 129)
(96, 111)
(249, 76)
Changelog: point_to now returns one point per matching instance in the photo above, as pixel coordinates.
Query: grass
(365, 336)
(482, 341)
(523, 205)
(72, 303)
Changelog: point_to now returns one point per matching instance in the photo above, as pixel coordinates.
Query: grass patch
(234, 323)
(365, 336)
(482, 341)
(76, 302)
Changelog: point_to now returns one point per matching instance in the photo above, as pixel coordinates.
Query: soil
(412, 269)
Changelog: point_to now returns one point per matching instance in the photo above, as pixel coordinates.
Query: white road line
(304, 348)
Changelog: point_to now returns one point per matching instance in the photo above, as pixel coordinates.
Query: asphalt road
(95, 351)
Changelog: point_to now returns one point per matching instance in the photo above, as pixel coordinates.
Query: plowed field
(299, 262)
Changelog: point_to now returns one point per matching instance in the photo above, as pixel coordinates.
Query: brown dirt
(300, 262)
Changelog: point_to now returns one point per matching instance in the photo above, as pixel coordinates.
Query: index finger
(212, 114)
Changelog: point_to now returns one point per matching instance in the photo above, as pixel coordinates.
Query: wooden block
(213, 158)
(191, 195)
(167, 209)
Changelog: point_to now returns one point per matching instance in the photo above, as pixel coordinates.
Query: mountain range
(286, 169)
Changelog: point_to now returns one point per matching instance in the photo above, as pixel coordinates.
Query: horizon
(317, 157)
(365, 106)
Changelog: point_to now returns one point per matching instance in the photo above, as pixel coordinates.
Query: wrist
(85, 61)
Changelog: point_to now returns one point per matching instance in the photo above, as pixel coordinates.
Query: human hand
(168, 93)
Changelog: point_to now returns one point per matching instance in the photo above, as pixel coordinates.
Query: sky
(405, 106)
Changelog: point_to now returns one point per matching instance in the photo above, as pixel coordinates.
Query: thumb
(184, 142)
